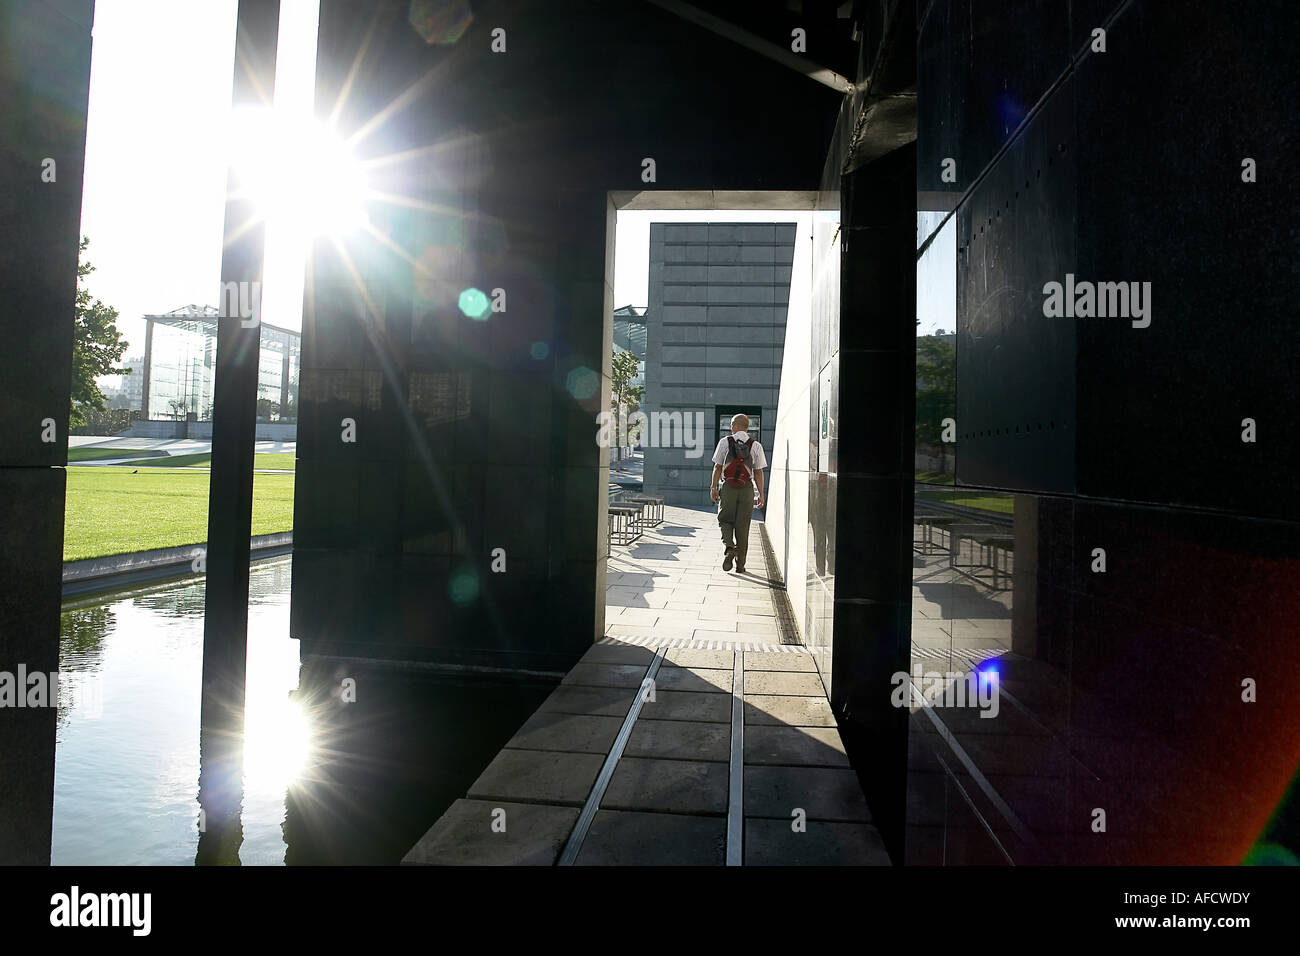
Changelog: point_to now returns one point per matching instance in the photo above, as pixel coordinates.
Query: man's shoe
(740, 569)
(726, 562)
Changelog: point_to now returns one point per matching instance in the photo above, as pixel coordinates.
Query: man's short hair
(740, 419)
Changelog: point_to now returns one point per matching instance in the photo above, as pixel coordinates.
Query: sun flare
(299, 175)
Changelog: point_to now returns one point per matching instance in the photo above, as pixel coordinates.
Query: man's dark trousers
(735, 508)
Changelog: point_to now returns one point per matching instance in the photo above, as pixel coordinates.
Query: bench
(923, 537)
(990, 542)
(654, 505)
(626, 521)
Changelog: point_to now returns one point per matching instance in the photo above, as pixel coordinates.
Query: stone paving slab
(672, 615)
(602, 701)
(764, 620)
(713, 633)
(629, 838)
(674, 604)
(618, 654)
(759, 661)
(670, 786)
(629, 579)
(567, 733)
(794, 746)
(634, 597)
(697, 740)
(669, 629)
(688, 705)
(667, 799)
(783, 684)
(635, 616)
(823, 793)
(694, 679)
(534, 835)
(698, 657)
(535, 776)
(775, 843)
(790, 711)
(605, 675)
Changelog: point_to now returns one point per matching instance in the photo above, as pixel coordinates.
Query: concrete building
(719, 294)
(125, 391)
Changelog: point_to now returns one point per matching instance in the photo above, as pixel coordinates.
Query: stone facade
(718, 298)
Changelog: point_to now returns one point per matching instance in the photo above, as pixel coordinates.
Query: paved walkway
(688, 736)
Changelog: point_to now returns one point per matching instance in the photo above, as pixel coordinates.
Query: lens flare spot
(463, 587)
(440, 21)
(474, 304)
(539, 350)
(582, 383)
(1270, 854)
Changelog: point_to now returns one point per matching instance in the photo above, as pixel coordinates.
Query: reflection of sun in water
(277, 742)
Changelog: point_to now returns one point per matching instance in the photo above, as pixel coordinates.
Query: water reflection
(326, 777)
(1126, 733)
(126, 779)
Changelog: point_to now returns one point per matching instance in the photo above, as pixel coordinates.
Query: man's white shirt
(757, 459)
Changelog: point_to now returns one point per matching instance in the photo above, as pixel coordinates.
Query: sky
(153, 201)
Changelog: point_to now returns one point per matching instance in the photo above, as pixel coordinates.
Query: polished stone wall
(475, 433)
(849, 412)
(1144, 539)
(44, 84)
(718, 295)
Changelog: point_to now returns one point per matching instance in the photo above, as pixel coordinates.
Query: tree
(96, 345)
(936, 391)
(623, 369)
(179, 408)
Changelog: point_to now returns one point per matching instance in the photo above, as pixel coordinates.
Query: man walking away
(738, 464)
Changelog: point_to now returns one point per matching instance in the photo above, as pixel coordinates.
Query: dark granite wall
(475, 434)
(44, 85)
(1124, 735)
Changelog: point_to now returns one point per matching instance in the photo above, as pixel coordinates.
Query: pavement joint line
(580, 829)
(736, 795)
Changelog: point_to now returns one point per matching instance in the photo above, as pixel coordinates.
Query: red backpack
(737, 471)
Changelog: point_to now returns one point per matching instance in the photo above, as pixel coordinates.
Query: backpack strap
(731, 445)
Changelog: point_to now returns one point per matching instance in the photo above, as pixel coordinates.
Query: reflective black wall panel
(475, 428)
(44, 86)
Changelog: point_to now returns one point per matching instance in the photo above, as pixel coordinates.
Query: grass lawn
(935, 477)
(112, 511)
(95, 454)
(997, 501)
(282, 461)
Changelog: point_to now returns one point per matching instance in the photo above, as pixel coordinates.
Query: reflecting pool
(323, 781)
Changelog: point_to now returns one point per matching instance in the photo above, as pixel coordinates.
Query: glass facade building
(180, 361)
